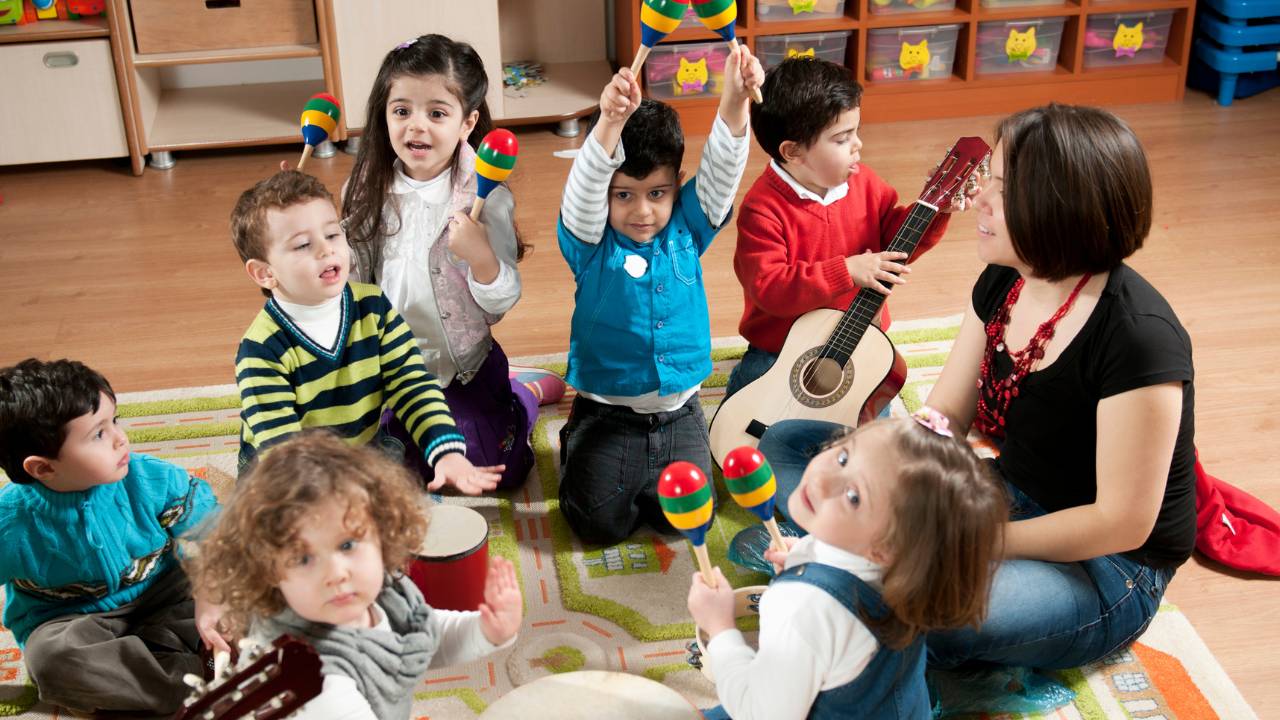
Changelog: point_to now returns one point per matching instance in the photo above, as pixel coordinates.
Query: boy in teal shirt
(93, 591)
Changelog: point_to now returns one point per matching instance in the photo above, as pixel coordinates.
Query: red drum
(450, 568)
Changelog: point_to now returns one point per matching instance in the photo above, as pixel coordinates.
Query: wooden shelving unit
(964, 92)
(246, 113)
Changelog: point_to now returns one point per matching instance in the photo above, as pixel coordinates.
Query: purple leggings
(494, 413)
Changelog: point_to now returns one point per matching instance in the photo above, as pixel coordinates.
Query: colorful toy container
(1120, 39)
(1019, 46)
(773, 49)
(783, 10)
(682, 70)
(925, 52)
(892, 7)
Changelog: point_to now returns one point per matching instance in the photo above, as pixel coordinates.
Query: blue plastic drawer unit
(1235, 37)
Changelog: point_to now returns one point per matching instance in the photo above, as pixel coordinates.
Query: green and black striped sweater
(288, 383)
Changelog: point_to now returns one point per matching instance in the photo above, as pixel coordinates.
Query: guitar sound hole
(822, 377)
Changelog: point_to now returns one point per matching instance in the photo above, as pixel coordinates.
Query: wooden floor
(137, 277)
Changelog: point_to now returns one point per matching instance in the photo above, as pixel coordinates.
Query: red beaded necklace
(995, 395)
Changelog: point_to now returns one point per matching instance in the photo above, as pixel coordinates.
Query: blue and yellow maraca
(495, 159)
(750, 480)
(721, 18)
(685, 497)
(657, 19)
(319, 119)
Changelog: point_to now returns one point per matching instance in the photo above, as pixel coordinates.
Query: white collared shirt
(833, 194)
(319, 322)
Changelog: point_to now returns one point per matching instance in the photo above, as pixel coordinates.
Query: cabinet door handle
(61, 59)
(215, 4)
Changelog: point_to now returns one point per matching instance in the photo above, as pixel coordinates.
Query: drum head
(453, 531)
(590, 695)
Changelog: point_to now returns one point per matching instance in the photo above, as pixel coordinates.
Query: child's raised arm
(584, 209)
(724, 157)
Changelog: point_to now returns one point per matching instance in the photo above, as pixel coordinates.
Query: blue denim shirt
(634, 335)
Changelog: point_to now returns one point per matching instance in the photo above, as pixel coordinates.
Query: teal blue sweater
(92, 551)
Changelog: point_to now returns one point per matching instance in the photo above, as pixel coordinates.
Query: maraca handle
(642, 53)
(704, 564)
(755, 91)
(475, 209)
(775, 535)
(306, 153)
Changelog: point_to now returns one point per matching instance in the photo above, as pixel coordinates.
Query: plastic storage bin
(1020, 3)
(911, 53)
(773, 49)
(684, 70)
(1120, 39)
(776, 10)
(1009, 46)
(891, 7)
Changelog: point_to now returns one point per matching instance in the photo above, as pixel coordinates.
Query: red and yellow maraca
(685, 496)
(750, 480)
(657, 19)
(319, 119)
(721, 17)
(494, 162)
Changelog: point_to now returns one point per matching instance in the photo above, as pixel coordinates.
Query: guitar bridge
(756, 429)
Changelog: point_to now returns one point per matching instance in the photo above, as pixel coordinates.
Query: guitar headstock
(966, 163)
(276, 681)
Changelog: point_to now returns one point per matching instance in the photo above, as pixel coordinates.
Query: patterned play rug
(622, 608)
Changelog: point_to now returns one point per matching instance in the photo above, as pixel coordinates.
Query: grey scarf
(385, 666)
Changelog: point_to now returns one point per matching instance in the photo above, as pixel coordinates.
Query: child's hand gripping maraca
(494, 162)
(685, 496)
(657, 19)
(319, 119)
(720, 17)
(751, 483)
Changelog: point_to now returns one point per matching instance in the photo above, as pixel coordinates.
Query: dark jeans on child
(610, 459)
(129, 659)
(754, 363)
(493, 412)
(890, 687)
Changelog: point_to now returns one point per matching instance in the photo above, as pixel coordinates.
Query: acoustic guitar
(274, 681)
(838, 366)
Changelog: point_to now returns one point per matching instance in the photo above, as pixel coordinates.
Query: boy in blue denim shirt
(640, 342)
(92, 591)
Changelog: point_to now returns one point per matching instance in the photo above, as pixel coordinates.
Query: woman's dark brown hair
(944, 536)
(241, 561)
(1077, 189)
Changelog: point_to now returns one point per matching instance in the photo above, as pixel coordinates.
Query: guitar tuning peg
(193, 681)
(221, 665)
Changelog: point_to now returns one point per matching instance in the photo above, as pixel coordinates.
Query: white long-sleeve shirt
(461, 640)
(809, 643)
(584, 210)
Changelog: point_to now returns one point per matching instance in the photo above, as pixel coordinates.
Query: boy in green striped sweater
(326, 352)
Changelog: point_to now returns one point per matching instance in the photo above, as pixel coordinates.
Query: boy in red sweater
(813, 228)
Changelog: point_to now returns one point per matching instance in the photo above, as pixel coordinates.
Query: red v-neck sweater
(790, 254)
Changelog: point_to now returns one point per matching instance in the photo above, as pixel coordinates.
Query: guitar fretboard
(867, 303)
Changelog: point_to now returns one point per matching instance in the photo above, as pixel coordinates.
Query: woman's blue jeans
(1042, 614)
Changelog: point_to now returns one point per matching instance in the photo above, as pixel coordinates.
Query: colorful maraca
(657, 19)
(751, 483)
(720, 17)
(494, 162)
(685, 497)
(319, 119)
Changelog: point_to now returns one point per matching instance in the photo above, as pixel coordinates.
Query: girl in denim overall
(904, 527)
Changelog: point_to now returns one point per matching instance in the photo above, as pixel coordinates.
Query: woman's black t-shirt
(1131, 340)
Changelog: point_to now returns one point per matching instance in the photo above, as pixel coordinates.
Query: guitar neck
(867, 303)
